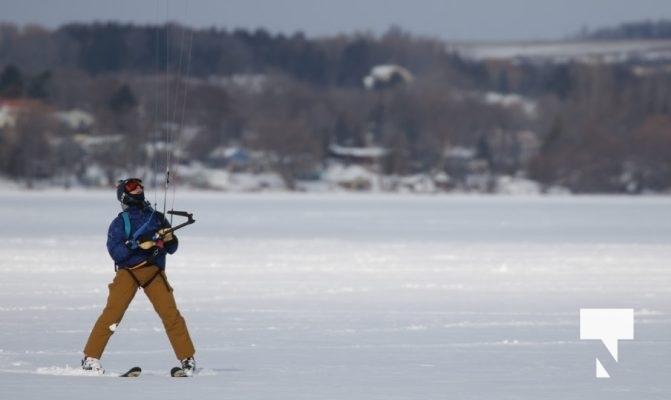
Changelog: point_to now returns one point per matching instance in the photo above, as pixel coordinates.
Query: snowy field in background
(347, 297)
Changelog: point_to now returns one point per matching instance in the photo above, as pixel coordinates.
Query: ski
(132, 373)
(178, 372)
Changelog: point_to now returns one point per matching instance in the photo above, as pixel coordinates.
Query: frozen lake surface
(347, 297)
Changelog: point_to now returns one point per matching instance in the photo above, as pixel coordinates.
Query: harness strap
(137, 281)
(158, 273)
(143, 228)
(126, 224)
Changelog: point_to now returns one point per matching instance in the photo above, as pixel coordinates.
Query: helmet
(123, 192)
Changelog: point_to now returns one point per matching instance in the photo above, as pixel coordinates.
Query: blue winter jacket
(122, 254)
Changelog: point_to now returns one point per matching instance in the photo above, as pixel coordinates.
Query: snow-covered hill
(609, 51)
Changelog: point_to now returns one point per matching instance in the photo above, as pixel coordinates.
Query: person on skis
(138, 240)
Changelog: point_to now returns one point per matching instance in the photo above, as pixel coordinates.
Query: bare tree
(31, 155)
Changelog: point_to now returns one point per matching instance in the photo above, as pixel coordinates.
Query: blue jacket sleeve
(116, 238)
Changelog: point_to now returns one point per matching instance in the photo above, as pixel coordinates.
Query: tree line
(632, 30)
(602, 127)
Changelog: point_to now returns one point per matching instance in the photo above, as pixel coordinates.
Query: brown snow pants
(121, 292)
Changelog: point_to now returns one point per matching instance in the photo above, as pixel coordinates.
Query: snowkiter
(138, 240)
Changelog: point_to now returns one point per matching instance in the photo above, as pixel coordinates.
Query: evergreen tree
(11, 83)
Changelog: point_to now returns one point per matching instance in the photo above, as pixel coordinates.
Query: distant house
(232, 158)
(96, 144)
(11, 108)
(364, 156)
(498, 153)
(464, 169)
(387, 76)
(350, 177)
(368, 157)
(529, 107)
(355, 168)
(76, 119)
(7, 117)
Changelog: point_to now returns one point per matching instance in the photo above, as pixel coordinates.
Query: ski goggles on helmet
(131, 184)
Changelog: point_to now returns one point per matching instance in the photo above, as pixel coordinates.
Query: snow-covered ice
(346, 297)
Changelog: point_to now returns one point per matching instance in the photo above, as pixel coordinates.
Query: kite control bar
(181, 214)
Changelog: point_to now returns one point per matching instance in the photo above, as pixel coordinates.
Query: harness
(159, 272)
(144, 264)
(126, 224)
